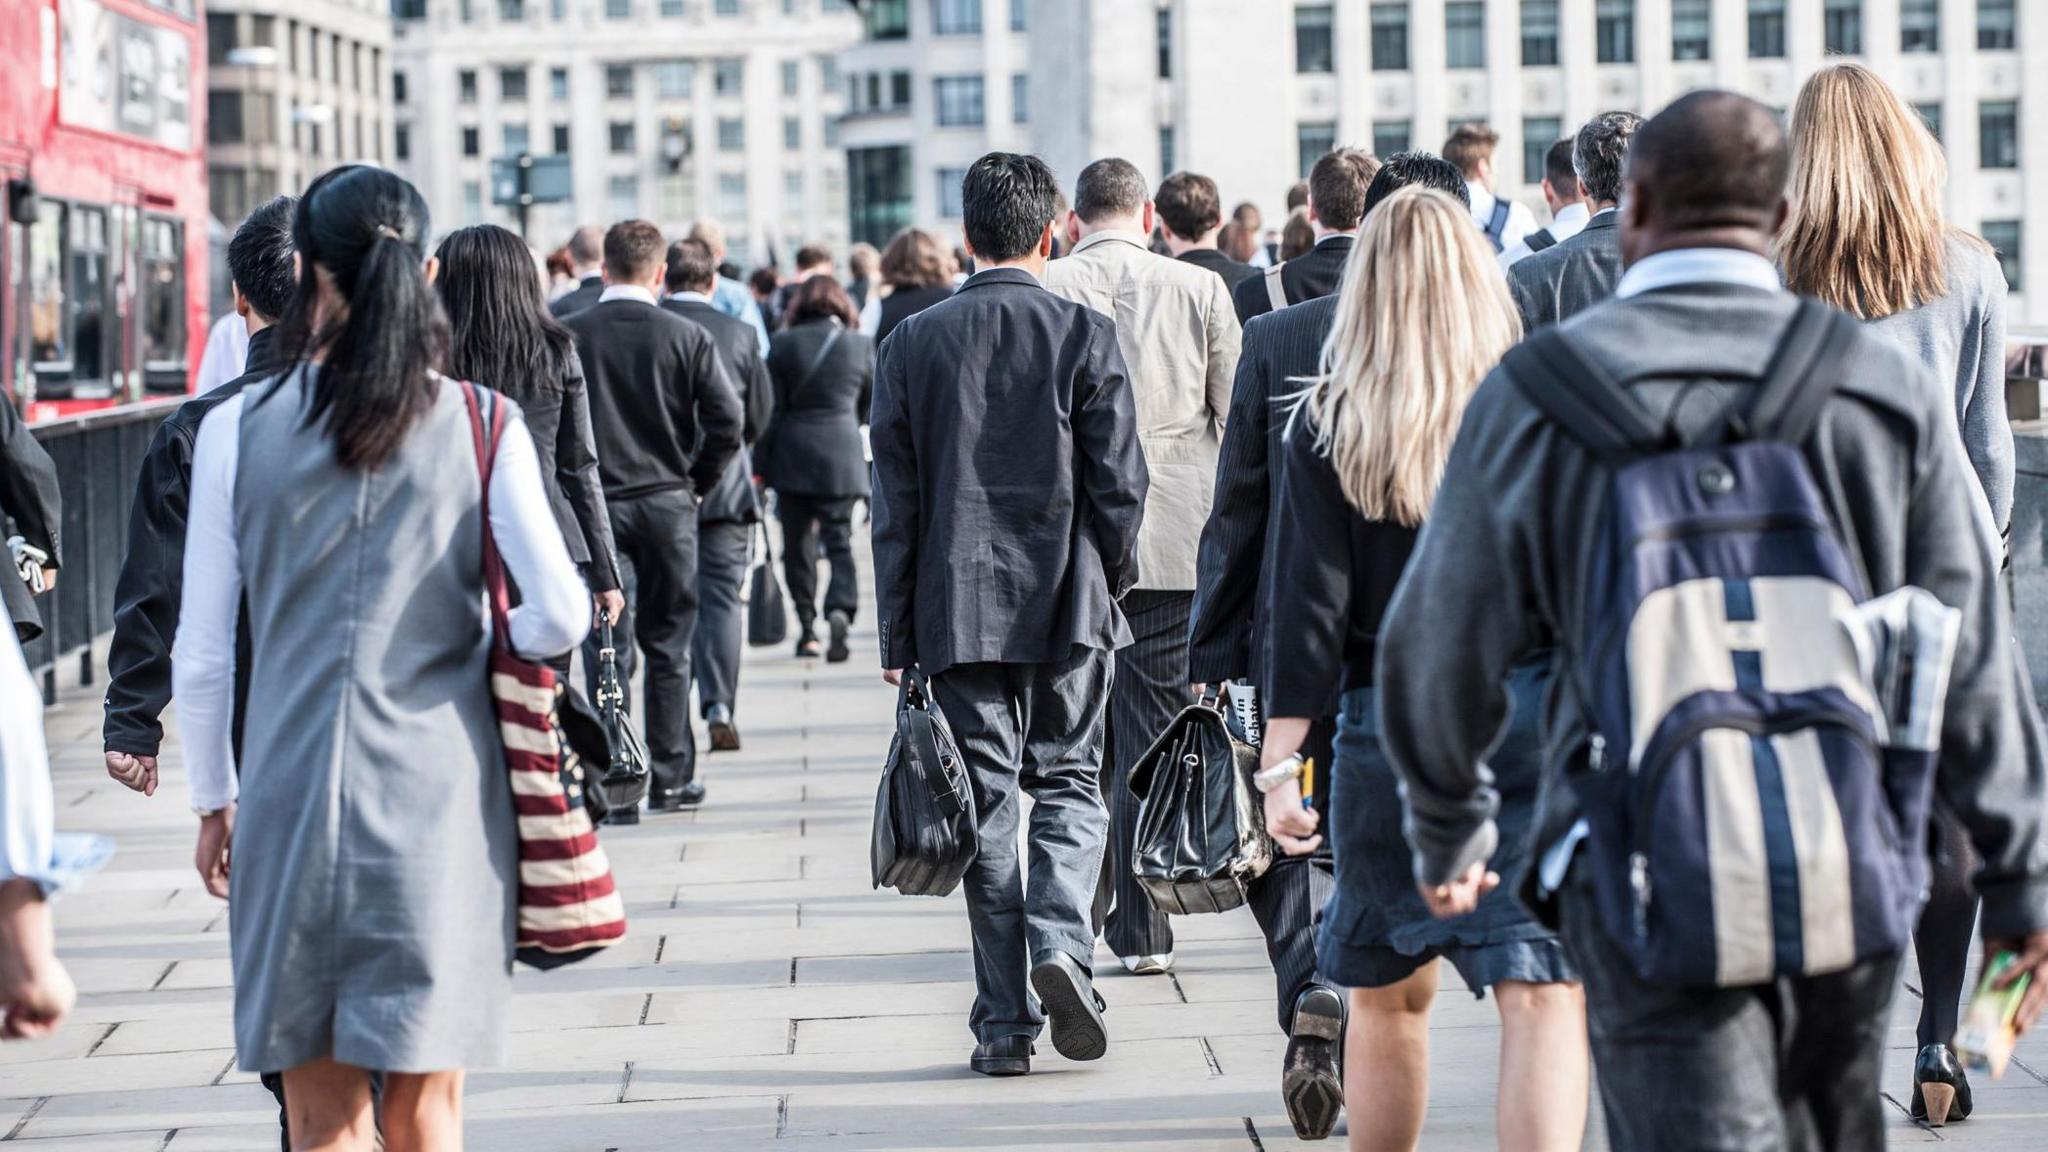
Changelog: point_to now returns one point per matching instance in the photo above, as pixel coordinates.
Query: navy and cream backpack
(1751, 809)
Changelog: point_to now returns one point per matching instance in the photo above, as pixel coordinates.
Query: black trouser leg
(1288, 904)
(721, 618)
(799, 516)
(657, 542)
(835, 535)
(1149, 689)
(1947, 928)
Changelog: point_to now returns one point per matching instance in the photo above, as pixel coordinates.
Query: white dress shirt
(1569, 222)
(627, 292)
(1520, 222)
(1698, 266)
(226, 355)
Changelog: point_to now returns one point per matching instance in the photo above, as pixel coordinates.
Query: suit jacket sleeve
(720, 422)
(1112, 465)
(1225, 335)
(576, 472)
(28, 486)
(1234, 539)
(1249, 298)
(894, 518)
(146, 597)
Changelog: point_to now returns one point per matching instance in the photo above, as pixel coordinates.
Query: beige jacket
(1179, 336)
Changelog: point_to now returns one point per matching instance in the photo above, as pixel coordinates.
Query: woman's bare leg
(422, 1111)
(1541, 1106)
(1386, 1063)
(329, 1105)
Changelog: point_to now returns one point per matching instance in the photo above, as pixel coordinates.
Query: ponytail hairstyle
(383, 334)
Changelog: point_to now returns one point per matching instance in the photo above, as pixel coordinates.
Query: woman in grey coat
(1867, 235)
(374, 846)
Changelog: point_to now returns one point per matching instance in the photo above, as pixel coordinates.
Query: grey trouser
(721, 618)
(1789, 1066)
(1038, 728)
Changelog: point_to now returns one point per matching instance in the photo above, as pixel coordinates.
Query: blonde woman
(1423, 315)
(1867, 235)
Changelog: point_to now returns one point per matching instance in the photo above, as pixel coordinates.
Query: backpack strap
(1583, 399)
(1276, 292)
(1804, 373)
(1539, 240)
(1497, 226)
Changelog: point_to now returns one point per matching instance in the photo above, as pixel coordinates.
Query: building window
(957, 101)
(1766, 29)
(1313, 51)
(792, 133)
(618, 81)
(472, 202)
(512, 83)
(732, 196)
(1930, 115)
(675, 197)
(1313, 142)
(472, 141)
(2004, 238)
(793, 193)
(674, 9)
(1166, 148)
(792, 77)
(618, 9)
(1995, 25)
(1020, 15)
(1020, 98)
(511, 11)
(886, 20)
(561, 140)
(1842, 24)
(558, 83)
(673, 79)
(1465, 34)
(517, 139)
(1390, 136)
(1998, 134)
(622, 196)
(1539, 134)
(1539, 33)
(621, 134)
(1692, 29)
(726, 8)
(1919, 25)
(1390, 37)
(224, 116)
(408, 9)
(465, 85)
(950, 181)
(732, 134)
(879, 202)
(398, 87)
(828, 72)
(728, 76)
(956, 17)
(1163, 25)
(899, 90)
(401, 141)
(220, 36)
(1614, 31)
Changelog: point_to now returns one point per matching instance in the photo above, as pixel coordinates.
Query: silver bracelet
(1267, 779)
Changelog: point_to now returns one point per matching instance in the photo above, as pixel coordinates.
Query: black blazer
(29, 497)
(558, 416)
(1315, 273)
(814, 446)
(1232, 272)
(1225, 631)
(1009, 485)
(656, 384)
(576, 299)
(904, 303)
(1569, 277)
(733, 500)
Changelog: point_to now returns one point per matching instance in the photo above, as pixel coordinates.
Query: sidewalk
(767, 997)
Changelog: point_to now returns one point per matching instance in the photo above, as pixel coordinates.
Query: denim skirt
(1376, 930)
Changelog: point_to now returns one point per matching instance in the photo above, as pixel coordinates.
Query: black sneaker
(1070, 1002)
(1003, 1056)
(838, 652)
(1310, 1080)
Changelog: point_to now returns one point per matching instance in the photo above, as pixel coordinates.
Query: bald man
(1785, 1062)
(586, 263)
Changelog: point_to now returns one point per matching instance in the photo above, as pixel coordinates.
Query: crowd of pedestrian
(1540, 565)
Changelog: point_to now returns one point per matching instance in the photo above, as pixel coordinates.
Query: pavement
(766, 998)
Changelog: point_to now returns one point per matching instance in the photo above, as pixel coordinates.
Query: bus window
(89, 279)
(163, 308)
(48, 323)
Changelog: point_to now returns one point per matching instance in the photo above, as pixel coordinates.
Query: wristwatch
(1267, 779)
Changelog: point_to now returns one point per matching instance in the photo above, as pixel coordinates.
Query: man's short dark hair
(1109, 187)
(1470, 145)
(812, 256)
(1006, 201)
(632, 251)
(1297, 195)
(1711, 159)
(260, 257)
(1600, 152)
(690, 267)
(1189, 205)
(1336, 187)
(1557, 168)
(1403, 169)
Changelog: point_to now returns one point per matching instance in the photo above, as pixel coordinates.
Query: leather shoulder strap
(1539, 240)
(1276, 292)
(1582, 398)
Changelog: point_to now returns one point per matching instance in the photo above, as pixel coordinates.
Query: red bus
(103, 229)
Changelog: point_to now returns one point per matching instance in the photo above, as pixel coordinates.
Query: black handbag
(925, 833)
(623, 784)
(767, 614)
(1201, 822)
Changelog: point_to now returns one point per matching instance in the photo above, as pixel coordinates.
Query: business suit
(583, 295)
(29, 498)
(1569, 277)
(1009, 492)
(1179, 338)
(1313, 274)
(1230, 270)
(726, 517)
(668, 421)
(1226, 639)
(814, 460)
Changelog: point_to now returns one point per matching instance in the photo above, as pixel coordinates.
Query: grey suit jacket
(1564, 280)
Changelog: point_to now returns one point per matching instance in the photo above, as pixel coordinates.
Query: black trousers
(1149, 689)
(721, 618)
(809, 522)
(1947, 932)
(656, 537)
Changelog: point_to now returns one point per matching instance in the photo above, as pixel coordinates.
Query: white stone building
(668, 110)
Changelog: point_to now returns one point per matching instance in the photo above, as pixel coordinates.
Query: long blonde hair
(1423, 316)
(1866, 234)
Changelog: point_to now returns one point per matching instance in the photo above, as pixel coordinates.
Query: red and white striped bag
(569, 908)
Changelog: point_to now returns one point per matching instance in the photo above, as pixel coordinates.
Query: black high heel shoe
(1941, 1091)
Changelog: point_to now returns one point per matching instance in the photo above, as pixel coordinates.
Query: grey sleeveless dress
(375, 857)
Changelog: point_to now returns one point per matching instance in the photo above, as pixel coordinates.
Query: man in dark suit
(1336, 205)
(726, 518)
(1225, 638)
(1573, 275)
(668, 421)
(586, 260)
(1190, 212)
(1009, 488)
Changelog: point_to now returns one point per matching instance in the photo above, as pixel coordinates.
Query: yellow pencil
(1308, 782)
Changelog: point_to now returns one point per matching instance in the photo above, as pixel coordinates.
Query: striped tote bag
(569, 908)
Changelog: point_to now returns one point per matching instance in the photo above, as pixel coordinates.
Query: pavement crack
(790, 1048)
(1251, 1130)
(224, 1070)
(660, 946)
(169, 1135)
(1177, 989)
(2028, 1069)
(792, 971)
(102, 1040)
(26, 1117)
(1209, 1057)
(781, 1115)
(163, 976)
(646, 1006)
(625, 1082)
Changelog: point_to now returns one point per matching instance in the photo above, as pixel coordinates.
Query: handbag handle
(486, 443)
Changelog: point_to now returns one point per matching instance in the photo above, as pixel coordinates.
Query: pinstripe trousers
(1149, 690)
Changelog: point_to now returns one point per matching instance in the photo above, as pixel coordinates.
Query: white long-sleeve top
(31, 848)
(552, 617)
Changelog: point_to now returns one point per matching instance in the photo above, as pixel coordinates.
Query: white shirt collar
(1351, 235)
(698, 297)
(1572, 215)
(625, 292)
(1699, 266)
(1481, 197)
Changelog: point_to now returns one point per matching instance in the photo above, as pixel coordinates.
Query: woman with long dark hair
(812, 454)
(502, 336)
(376, 867)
